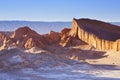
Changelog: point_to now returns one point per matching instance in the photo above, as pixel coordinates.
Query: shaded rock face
(68, 40)
(101, 35)
(65, 38)
(52, 37)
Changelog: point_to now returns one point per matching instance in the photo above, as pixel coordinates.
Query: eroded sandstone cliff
(101, 35)
(68, 40)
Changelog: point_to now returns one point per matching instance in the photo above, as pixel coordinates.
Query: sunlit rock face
(101, 35)
(68, 40)
(3, 41)
(27, 38)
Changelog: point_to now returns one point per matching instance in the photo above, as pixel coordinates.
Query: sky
(59, 10)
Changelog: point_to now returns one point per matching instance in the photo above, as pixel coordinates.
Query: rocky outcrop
(101, 35)
(65, 38)
(52, 37)
(68, 40)
(3, 41)
(24, 37)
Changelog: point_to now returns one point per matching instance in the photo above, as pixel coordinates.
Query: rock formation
(68, 40)
(101, 35)
(27, 38)
(3, 41)
(52, 37)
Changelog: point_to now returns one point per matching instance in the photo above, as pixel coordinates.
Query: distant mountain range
(39, 26)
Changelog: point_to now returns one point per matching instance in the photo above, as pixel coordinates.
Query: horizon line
(35, 21)
(46, 21)
(53, 20)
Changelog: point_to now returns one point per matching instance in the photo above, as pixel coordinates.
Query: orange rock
(67, 39)
(52, 37)
(100, 34)
(3, 41)
(33, 43)
(28, 38)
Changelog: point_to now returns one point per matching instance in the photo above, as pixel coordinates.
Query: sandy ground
(94, 56)
(81, 71)
(83, 64)
(111, 58)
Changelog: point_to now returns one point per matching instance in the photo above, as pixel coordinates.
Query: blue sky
(59, 10)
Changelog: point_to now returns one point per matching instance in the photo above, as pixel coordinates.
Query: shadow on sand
(87, 54)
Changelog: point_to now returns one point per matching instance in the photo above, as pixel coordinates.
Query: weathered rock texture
(3, 40)
(68, 40)
(52, 37)
(101, 35)
(27, 38)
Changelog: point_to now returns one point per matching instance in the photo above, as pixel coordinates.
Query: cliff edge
(101, 35)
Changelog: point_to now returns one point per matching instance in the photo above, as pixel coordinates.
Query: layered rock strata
(101, 35)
